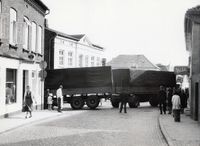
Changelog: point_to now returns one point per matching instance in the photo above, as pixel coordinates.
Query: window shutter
(4, 26)
(30, 37)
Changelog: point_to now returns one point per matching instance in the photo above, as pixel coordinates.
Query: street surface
(102, 127)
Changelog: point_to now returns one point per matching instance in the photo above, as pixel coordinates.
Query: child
(50, 101)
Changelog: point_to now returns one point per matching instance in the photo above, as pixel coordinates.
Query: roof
(97, 46)
(78, 36)
(40, 3)
(163, 67)
(62, 34)
(132, 62)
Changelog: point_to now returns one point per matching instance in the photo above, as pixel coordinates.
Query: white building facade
(71, 51)
(21, 51)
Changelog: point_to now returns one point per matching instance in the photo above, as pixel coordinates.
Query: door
(196, 101)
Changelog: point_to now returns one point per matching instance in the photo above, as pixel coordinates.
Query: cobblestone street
(103, 127)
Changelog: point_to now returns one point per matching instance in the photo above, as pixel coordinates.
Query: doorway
(25, 83)
(196, 102)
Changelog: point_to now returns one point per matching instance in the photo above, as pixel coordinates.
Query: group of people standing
(175, 100)
(59, 95)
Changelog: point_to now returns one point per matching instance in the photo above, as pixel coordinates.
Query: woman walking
(28, 101)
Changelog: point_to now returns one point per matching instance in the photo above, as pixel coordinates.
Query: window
(86, 61)
(13, 29)
(61, 57)
(80, 63)
(39, 47)
(98, 61)
(70, 58)
(34, 34)
(92, 61)
(11, 86)
(26, 33)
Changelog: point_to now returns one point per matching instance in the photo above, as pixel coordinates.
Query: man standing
(162, 100)
(176, 106)
(59, 95)
(124, 100)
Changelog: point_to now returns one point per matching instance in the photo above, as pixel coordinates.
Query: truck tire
(153, 101)
(77, 102)
(115, 104)
(133, 104)
(92, 102)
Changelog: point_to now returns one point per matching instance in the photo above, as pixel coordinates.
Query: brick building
(192, 35)
(69, 51)
(21, 51)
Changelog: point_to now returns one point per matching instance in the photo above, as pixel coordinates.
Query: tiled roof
(139, 62)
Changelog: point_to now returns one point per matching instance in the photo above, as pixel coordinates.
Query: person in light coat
(59, 95)
(176, 106)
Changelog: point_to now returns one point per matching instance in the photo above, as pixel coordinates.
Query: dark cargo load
(71, 78)
(152, 78)
(121, 77)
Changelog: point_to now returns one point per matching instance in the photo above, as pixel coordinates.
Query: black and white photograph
(99, 73)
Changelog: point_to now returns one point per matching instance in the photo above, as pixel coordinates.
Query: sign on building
(181, 70)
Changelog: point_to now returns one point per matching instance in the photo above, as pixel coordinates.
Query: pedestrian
(176, 106)
(123, 102)
(28, 101)
(59, 95)
(169, 99)
(162, 100)
(50, 101)
(183, 97)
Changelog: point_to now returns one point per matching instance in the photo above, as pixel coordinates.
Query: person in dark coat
(28, 101)
(169, 100)
(183, 100)
(162, 100)
(123, 102)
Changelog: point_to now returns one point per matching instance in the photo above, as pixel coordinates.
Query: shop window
(34, 34)
(70, 58)
(13, 28)
(11, 75)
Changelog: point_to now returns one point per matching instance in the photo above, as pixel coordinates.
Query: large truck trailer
(88, 85)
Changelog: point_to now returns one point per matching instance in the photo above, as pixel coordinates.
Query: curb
(164, 133)
(31, 122)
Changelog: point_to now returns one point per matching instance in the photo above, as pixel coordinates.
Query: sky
(154, 28)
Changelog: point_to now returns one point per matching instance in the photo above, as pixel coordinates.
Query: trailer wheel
(133, 101)
(153, 101)
(77, 103)
(115, 104)
(92, 102)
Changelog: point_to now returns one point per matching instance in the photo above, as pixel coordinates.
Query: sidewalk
(19, 120)
(185, 133)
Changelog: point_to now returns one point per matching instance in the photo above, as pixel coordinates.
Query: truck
(89, 85)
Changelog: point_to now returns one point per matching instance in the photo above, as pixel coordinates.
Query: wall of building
(77, 49)
(195, 73)
(17, 58)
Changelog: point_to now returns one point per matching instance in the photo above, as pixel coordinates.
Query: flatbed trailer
(88, 85)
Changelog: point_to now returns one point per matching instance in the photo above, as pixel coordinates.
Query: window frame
(13, 26)
(33, 37)
(70, 58)
(39, 39)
